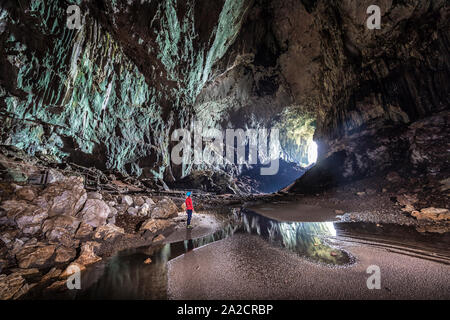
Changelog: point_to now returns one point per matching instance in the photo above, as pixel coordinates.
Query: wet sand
(247, 267)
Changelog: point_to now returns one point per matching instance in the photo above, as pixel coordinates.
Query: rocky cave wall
(379, 89)
(110, 94)
(373, 100)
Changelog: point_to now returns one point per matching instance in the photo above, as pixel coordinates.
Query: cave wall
(375, 85)
(110, 94)
(314, 69)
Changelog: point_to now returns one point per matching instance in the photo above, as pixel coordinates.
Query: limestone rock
(165, 209)
(61, 229)
(26, 193)
(68, 223)
(63, 197)
(133, 211)
(156, 225)
(433, 214)
(87, 255)
(108, 232)
(84, 231)
(26, 273)
(35, 255)
(8, 236)
(10, 285)
(149, 201)
(65, 254)
(94, 195)
(139, 201)
(95, 212)
(52, 274)
(144, 210)
(127, 200)
(27, 217)
(121, 209)
(159, 238)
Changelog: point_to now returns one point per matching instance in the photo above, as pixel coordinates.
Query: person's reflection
(190, 243)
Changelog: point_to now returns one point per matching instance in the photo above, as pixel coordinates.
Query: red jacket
(189, 204)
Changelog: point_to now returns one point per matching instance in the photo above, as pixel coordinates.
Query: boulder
(87, 255)
(127, 200)
(113, 212)
(121, 208)
(433, 214)
(108, 232)
(94, 195)
(26, 193)
(165, 209)
(149, 201)
(52, 274)
(111, 220)
(84, 231)
(144, 210)
(133, 211)
(95, 212)
(8, 236)
(15, 246)
(67, 223)
(54, 176)
(159, 238)
(11, 285)
(65, 254)
(61, 229)
(27, 217)
(156, 225)
(63, 197)
(35, 255)
(26, 273)
(139, 201)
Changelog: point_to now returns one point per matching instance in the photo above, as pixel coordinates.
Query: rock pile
(61, 224)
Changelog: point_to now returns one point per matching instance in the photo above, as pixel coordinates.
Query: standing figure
(189, 209)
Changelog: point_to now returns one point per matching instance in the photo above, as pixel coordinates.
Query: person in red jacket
(189, 209)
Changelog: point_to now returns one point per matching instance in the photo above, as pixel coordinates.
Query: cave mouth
(252, 181)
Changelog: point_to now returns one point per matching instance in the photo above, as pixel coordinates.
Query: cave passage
(224, 150)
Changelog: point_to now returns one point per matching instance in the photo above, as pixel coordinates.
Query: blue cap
(188, 194)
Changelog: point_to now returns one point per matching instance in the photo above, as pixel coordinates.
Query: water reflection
(308, 239)
(126, 276)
